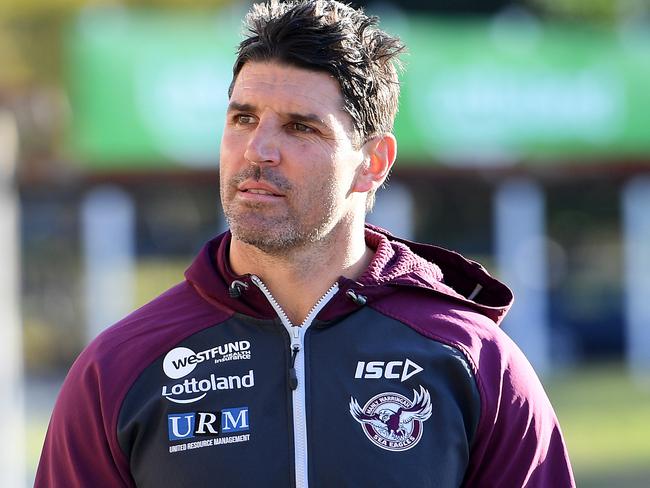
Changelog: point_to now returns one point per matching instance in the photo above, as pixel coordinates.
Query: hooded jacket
(400, 378)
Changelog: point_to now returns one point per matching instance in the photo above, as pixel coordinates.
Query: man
(305, 348)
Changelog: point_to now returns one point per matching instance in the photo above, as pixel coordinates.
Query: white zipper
(297, 335)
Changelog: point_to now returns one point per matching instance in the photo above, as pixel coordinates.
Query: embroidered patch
(392, 421)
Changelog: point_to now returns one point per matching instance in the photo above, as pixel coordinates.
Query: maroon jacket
(401, 378)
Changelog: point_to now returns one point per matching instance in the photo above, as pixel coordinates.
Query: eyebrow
(300, 117)
(240, 107)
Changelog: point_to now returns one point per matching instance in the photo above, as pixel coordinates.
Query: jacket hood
(402, 262)
(397, 264)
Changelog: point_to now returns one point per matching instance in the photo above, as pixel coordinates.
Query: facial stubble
(255, 224)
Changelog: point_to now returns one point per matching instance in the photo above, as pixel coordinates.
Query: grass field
(605, 417)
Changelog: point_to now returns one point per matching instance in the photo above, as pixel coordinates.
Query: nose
(262, 147)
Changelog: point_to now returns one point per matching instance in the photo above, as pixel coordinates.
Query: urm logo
(183, 426)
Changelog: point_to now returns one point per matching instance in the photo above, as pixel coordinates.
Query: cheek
(302, 152)
(227, 145)
(224, 173)
(347, 168)
(231, 152)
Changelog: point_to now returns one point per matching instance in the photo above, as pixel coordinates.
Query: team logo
(392, 421)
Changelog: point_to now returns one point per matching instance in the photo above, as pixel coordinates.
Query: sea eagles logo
(392, 421)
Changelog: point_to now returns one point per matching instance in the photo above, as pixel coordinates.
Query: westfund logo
(181, 361)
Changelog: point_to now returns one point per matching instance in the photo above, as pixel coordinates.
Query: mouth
(258, 191)
(259, 188)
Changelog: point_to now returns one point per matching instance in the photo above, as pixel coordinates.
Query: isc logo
(392, 370)
(183, 426)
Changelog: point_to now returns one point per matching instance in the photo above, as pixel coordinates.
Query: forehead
(288, 89)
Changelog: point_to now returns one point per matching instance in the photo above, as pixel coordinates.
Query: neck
(298, 277)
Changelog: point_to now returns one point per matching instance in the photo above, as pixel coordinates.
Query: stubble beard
(274, 235)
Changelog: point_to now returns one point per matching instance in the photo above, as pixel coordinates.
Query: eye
(243, 119)
(298, 127)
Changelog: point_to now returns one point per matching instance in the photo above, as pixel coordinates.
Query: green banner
(493, 93)
(150, 89)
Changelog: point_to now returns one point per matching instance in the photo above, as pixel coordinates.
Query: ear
(381, 152)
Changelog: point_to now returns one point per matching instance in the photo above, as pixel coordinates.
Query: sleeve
(518, 441)
(81, 448)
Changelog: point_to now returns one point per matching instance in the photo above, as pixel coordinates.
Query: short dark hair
(328, 36)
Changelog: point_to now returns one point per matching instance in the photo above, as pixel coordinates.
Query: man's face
(288, 164)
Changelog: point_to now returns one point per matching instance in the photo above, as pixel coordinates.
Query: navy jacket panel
(199, 421)
(368, 370)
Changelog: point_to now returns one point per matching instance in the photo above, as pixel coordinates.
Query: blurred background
(524, 143)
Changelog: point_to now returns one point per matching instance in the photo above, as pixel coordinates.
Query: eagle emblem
(392, 421)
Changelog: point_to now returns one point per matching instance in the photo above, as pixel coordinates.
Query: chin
(264, 235)
(270, 244)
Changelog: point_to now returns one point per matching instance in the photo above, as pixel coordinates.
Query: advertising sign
(150, 89)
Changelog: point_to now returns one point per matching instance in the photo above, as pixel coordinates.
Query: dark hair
(328, 36)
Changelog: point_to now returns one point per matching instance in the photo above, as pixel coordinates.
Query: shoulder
(499, 367)
(442, 318)
(136, 340)
(110, 364)
(517, 423)
(92, 393)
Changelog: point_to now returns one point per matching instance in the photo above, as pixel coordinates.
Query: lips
(258, 188)
(259, 191)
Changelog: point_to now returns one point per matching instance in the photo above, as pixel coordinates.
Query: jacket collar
(397, 264)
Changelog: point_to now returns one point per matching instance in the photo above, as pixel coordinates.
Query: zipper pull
(295, 349)
(293, 377)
